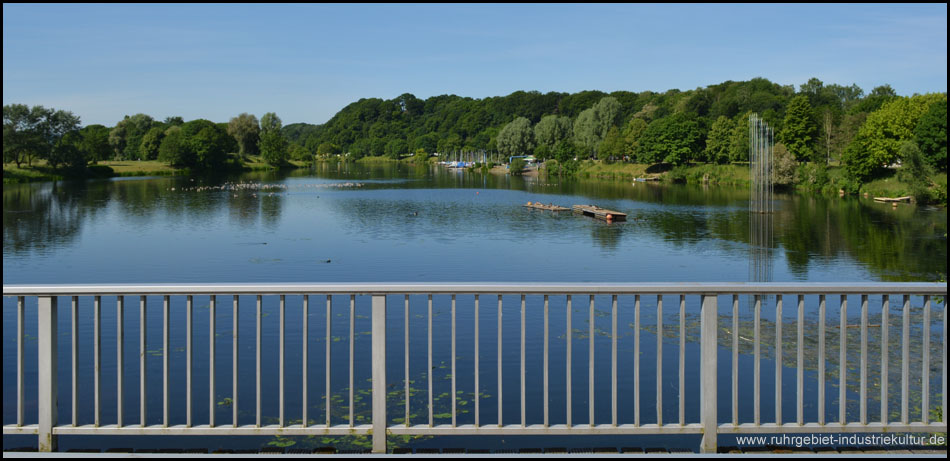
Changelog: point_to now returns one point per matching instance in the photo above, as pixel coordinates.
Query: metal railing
(712, 342)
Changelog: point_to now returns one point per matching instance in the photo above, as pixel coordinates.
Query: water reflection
(412, 207)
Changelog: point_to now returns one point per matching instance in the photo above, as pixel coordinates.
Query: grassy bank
(41, 171)
(807, 178)
(706, 173)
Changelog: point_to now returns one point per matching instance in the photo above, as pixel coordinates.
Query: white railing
(49, 425)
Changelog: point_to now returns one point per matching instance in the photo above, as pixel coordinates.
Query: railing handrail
(677, 288)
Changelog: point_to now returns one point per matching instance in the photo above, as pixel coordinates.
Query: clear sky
(306, 62)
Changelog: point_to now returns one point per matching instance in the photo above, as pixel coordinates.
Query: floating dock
(600, 213)
(890, 199)
(548, 207)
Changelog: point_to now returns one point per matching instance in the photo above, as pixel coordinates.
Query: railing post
(46, 372)
(379, 373)
(708, 394)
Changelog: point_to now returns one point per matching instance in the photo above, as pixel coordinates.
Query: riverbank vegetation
(828, 136)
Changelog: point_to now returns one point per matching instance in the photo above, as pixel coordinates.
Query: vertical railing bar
(280, 360)
(234, 365)
(476, 363)
(944, 375)
(47, 349)
(97, 359)
(352, 332)
(757, 354)
(378, 377)
(166, 319)
(454, 395)
(546, 402)
(75, 356)
(843, 362)
(20, 386)
(800, 378)
(211, 327)
(925, 383)
(120, 359)
(659, 360)
(189, 304)
(708, 394)
(305, 367)
(499, 363)
(735, 360)
(522, 370)
(429, 370)
(885, 313)
(636, 360)
(864, 359)
(821, 358)
(682, 361)
(778, 359)
(570, 335)
(406, 355)
(905, 360)
(613, 361)
(142, 356)
(327, 351)
(234, 362)
(258, 353)
(590, 361)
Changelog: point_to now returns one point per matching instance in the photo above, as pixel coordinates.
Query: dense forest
(819, 124)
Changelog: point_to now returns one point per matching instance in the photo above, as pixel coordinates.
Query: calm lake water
(350, 223)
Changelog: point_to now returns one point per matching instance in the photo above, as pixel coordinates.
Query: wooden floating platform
(599, 213)
(890, 199)
(548, 207)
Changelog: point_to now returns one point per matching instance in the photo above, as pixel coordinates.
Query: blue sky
(306, 62)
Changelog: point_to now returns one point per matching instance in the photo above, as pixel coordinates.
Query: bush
(784, 166)
(517, 166)
(812, 175)
(915, 172)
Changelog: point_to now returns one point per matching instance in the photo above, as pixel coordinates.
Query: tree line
(31, 133)
(817, 123)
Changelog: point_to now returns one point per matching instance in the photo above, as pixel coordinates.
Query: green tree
(631, 136)
(739, 141)
(930, 134)
(95, 143)
(246, 130)
(552, 129)
(171, 150)
(327, 149)
(396, 147)
(298, 152)
(592, 125)
(516, 138)
(151, 142)
(210, 146)
(915, 171)
(585, 131)
(799, 130)
(879, 140)
(785, 167)
(273, 146)
(719, 139)
(126, 137)
(611, 147)
(22, 140)
(68, 152)
(675, 139)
